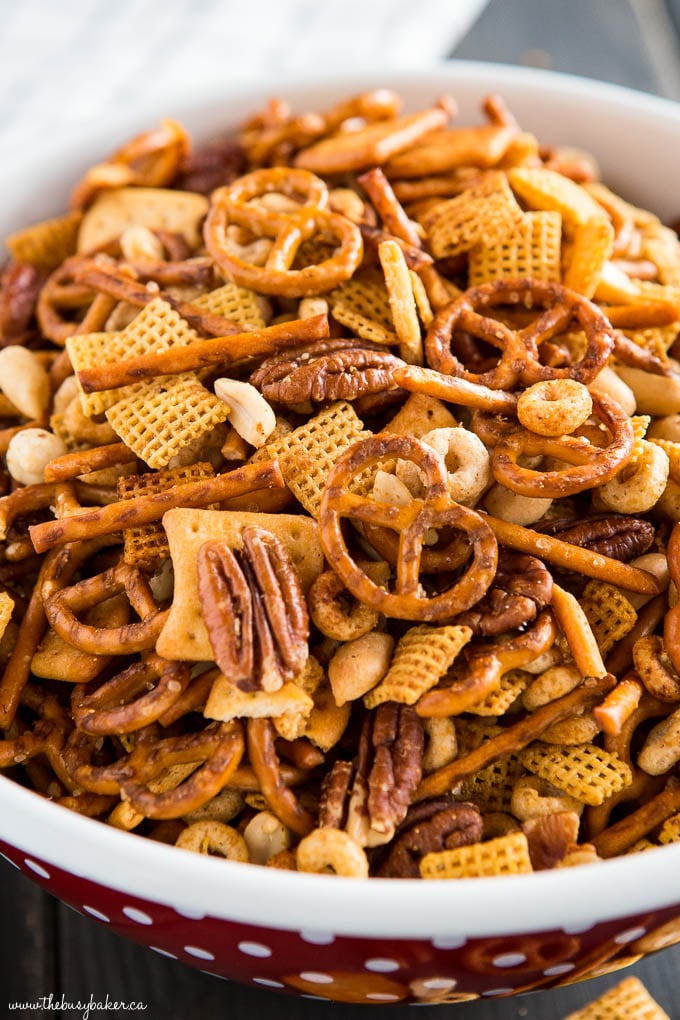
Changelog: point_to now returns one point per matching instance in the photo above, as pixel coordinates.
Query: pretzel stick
(589, 692)
(220, 350)
(388, 207)
(131, 513)
(572, 557)
(82, 462)
(456, 391)
(657, 313)
(622, 835)
(578, 632)
(125, 288)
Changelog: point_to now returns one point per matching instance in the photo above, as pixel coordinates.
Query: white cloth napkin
(70, 65)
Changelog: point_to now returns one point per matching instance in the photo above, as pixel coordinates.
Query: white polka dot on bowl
(254, 949)
(559, 968)
(578, 929)
(381, 965)
(438, 984)
(383, 997)
(193, 915)
(138, 916)
(629, 936)
(198, 953)
(317, 938)
(268, 982)
(36, 868)
(452, 942)
(316, 978)
(490, 992)
(509, 960)
(163, 952)
(96, 914)
(9, 860)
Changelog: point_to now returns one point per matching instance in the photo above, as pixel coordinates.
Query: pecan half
(438, 824)
(615, 535)
(390, 756)
(330, 370)
(522, 587)
(255, 610)
(19, 288)
(333, 800)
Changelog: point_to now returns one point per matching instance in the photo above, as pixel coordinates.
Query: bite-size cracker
(307, 455)
(592, 244)
(164, 415)
(481, 215)
(586, 772)
(610, 614)
(292, 725)
(491, 788)
(184, 635)
(419, 415)
(420, 660)
(45, 245)
(506, 855)
(542, 188)
(226, 701)
(513, 683)
(628, 1000)
(233, 302)
(532, 250)
(367, 295)
(146, 546)
(367, 329)
(421, 299)
(114, 210)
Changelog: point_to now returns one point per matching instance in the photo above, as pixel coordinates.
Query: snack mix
(341, 496)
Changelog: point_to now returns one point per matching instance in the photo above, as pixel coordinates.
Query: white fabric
(65, 65)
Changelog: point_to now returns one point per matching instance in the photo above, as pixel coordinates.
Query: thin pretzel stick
(388, 206)
(456, 391)
(265, 763)
(124, 288)
(219, 350)
(618, 706)
(415, 257)
(656, 313)
(572, 557)
(588, 693)
(624, 834)
(82, 462)
(578, 632)
(131, 513)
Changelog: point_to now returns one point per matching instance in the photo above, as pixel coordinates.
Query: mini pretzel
(62, 606)
(289, 230)
(130, 700)
(265, 762)
(624, 834)
(671, 626)
(435, 510)
(218, 751)
(519, 362)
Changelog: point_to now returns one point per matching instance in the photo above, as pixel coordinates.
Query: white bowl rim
(569, 899)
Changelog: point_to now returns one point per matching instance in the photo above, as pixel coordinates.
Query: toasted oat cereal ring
(62, 606)
(329, 849)
(288, 230)
(519, 362)
(589, 465)
(554, 407)
(640, 484)
(331, 614)
(216, 838)
(411, 522)
(466, 459)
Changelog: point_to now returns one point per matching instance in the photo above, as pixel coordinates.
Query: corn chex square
(584, 771)
(481, 215)
(628, 1000)
(507, 855)
(533, 250)
(421, 659)
(491, 787)
(164, 415)
(610, 614)
(233, 302)
(46, 244)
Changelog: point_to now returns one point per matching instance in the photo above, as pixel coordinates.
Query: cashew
(359, 665)
(533, 797)
(139, 242)
(667, 427)
(661, 749)
(265, 835)
(30, 451)
(69, 389)
(609, 383)
(654, 394)
(250, 414)
(24, 380)
(311, 306)
(554, 683)
(654, 563)
(510, 506)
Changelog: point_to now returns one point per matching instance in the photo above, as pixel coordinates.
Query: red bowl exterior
(359, 969)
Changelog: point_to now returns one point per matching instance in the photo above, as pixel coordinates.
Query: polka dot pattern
(138, 916)
(316, 977)
(163, 952)
(630, 936)
(509, 960)
(254, 949)
(317, 938)
(97, 914)
(36, 868)
(381, 965)
(268, 982)
(198, 953)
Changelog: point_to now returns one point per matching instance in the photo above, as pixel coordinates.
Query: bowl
(345, 939)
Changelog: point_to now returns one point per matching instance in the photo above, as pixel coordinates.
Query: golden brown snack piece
(628, 1000)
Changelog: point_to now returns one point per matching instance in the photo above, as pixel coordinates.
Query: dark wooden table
(46, 947)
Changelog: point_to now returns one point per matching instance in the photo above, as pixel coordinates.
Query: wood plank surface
(46, 947)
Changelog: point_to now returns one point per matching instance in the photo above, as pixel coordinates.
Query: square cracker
(185, 635)
(226, 701)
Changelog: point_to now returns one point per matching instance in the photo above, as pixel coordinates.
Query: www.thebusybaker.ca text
(83, 1007)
